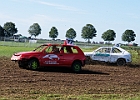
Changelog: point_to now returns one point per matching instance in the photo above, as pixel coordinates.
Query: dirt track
(94, 79)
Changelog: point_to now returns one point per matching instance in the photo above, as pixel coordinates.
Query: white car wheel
(121, 62)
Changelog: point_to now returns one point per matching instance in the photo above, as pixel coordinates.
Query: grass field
(8, 51)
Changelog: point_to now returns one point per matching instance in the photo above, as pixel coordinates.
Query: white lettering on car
(51, 62)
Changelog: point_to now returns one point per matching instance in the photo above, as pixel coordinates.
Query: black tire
(33, 64)
(121, 62)
(21, 64)
(76, 66)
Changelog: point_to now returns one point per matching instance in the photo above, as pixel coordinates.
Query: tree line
(88, 32)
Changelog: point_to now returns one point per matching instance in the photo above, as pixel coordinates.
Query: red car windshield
(40, 48)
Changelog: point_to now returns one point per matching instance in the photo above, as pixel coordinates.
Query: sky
(117, 15)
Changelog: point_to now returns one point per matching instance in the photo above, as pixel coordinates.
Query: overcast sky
(118, 15)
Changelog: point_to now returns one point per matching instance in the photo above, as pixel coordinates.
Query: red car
(51, 55)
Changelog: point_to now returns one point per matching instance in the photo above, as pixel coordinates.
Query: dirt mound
(93, 79)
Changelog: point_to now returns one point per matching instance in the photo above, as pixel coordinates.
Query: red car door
(51, 56)
(66, 56)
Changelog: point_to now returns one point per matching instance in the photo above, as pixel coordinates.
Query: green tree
(1, 32)
(128, 36)
(71, 33)
(9, 29)
(34, 30)
(53, 33)
(88, 32)
(109, 35)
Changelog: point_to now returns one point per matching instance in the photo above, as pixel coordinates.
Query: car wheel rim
(76, 67)
(34, 65)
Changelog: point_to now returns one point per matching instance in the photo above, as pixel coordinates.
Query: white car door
(115, 54)
(102, 54)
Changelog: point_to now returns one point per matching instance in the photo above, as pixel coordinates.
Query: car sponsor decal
(51, 56)
(52, 59)
(102, 54)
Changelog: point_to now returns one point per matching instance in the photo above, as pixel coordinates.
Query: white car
(110, 54)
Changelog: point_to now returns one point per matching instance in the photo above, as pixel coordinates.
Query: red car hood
(23, 53)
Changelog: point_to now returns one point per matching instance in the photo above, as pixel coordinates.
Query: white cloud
(58, 6)
(61, 7)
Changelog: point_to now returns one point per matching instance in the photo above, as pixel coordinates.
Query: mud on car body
(45, 55)
(110, 54)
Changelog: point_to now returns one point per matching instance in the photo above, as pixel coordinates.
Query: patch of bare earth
(93, 79)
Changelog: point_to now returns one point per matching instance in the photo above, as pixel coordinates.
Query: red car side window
(67, 49)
